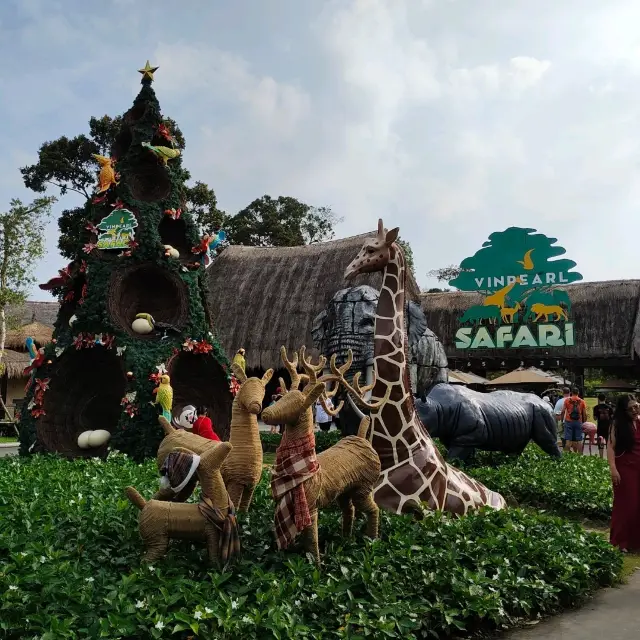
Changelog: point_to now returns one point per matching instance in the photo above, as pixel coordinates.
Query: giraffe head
(375, 253)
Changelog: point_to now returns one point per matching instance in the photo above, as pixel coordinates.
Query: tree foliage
(68, 165)
(408, 254)
(444, 274)
(280, 222)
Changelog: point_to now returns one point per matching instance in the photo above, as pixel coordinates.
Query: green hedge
(70, 568)
(324, 440)
(573, 485)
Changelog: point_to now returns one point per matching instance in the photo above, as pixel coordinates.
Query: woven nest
(149, 180)
(174, 232)
(84, 395)
(198, 379)
(150, 289)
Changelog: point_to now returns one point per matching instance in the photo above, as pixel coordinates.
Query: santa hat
(177, 469)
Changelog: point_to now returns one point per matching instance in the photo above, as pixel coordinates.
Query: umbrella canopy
(525, 376)
(617, 385)
(460, 377)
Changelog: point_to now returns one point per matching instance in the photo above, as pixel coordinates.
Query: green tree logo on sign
(117, 229)
(518, 273)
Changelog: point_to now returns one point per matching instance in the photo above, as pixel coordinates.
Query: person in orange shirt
(574, 414)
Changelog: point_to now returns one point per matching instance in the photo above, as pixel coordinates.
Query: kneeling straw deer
(211, 521)
(303, 482)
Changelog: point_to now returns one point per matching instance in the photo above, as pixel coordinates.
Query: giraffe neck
(389, 347)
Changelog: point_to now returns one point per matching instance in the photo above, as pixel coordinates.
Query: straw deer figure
(242, 470)
(302, 482)
(211, 521)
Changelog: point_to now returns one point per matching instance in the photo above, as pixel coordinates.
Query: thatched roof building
(41, 333)
(13, 364)
(605, 317)
(263, 298)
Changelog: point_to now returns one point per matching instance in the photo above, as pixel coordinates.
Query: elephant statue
(348, 323)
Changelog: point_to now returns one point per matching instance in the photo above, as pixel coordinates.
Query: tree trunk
(3, 337)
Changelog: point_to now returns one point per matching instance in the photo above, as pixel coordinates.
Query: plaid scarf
(295, 462)
(229, 541)
(177, 469)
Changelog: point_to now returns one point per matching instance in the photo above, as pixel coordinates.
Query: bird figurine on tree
(107, 176)
(207, 245)
(164, 396)
(163, 153)
(31, 349)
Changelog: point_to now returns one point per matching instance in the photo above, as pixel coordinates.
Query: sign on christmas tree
(117, 229)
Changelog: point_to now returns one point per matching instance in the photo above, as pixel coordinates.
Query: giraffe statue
(499, 297)
(413, 471)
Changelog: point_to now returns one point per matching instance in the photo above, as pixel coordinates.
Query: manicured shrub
(70, 568)
(573, 485)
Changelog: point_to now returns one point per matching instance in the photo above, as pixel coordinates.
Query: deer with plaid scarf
(302, 482)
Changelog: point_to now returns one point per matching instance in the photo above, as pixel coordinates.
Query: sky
(451, 119)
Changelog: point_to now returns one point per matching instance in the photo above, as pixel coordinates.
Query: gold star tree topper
(147, 71)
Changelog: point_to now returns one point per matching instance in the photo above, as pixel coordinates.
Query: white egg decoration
(72, 319)
(98, 438)
(170, 251)
(83, 439)
(142, 326)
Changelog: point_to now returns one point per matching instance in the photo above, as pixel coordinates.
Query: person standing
(603, 414)
(323, 419)
(557, 410)
(623, 455)
(203, 426)
(574, 415)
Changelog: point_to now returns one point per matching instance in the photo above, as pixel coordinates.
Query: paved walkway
(611, 615)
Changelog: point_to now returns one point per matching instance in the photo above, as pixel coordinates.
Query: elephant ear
(416, 323)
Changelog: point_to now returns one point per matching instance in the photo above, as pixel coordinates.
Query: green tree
(280, 222)
(68, 165)
(22, 244)
(408, 254)
(444, 274)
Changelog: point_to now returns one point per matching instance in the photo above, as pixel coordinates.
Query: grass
(7, 439)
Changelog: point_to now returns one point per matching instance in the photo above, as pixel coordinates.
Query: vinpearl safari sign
(522, 303)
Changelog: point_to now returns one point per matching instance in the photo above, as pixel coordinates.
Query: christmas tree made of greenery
(98, 373)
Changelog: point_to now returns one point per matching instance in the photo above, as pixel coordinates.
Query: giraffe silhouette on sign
(413, 471)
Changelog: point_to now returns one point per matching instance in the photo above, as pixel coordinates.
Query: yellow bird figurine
(107, 175)
(164, 396)
(164, 153)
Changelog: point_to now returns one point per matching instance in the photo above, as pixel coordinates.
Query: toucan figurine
(207, 245)
(31, 348)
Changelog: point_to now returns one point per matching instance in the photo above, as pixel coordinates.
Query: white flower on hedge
(297, 603)
(207, 610)
(234, 604)
(42, 559)
(151, 568)
(160, 625)
(88, 580)
(247, 620)
(140, 604)
(12, 587)
(197, 615)
(314, 596)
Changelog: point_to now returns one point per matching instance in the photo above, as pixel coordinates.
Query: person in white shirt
(557, 410)
(323, 419)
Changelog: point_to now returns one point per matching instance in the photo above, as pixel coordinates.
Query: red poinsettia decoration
(36, 412)
(189, 344)
(84, 341)
(92, 228)
(83, 266)
(83, 294)
(163, 130)
(70, 296)
(118, 204)
(89, 247)
(108, 340)
(99, 199)
(234, 386)
(174, 213)
(202, 347)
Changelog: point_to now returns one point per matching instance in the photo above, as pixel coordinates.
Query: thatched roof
(466, 377)
(41, 333)
(605, 314)
(263, 298)
(14, 363)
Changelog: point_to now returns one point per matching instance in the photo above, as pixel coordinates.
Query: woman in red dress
(203, 426)
(623, 454)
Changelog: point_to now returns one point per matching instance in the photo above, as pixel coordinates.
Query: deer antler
(291, 366)
(312, 370)
(357, 392)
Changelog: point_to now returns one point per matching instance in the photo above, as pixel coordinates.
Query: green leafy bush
(70, 568)
(576, 485)
(324, 440)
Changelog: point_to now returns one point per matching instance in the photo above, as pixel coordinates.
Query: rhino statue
(348, 323)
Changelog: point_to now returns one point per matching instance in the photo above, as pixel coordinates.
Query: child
(203, 426)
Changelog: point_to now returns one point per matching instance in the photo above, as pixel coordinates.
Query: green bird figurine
(164, 153)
